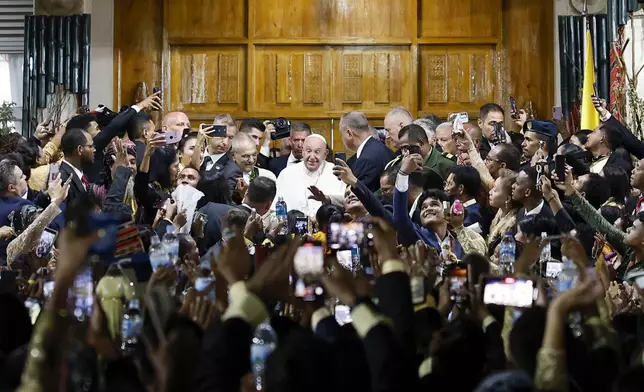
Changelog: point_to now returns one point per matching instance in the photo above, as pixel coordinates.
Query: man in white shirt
(242, 169)
(298, 184)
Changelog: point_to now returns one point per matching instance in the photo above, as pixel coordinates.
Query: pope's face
(314, 153)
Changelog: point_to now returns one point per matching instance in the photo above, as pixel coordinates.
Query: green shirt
(437, 162)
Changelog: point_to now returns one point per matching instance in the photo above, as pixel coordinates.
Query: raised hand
(270, 282)
(152, 102)
(411, 163)
(120, 159)
(600, 105)
(344, 173)
(58, 191)
(318, 195)
(6, 232)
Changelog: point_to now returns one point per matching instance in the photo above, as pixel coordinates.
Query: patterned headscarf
(21, 218)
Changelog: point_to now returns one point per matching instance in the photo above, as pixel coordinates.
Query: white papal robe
(293, 185)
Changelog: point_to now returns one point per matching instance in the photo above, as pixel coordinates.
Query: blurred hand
(546, 189)
(152, 102)
(233, 262)
(529, 255)
(6, 232)
(341, 284)
(565, 184)
(241, 187)
(344, 173)
(120, 159)
(582, 295)
(153, 143)
(72, 251)
(318, 195)
(270, 282)
(520, 118)
(199, 308)
(600, 105)
(445, 303)
(181, 218)
(58, 192)
(572, 249)
(455, 220)
(254, 225)
(270, 129)
(44, 130)
(190, 269)
(197, 228)
(411, 163)
(384, 239)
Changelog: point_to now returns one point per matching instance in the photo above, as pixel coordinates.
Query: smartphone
(341, 155)
(345, 259)
(82, 295)
(200, 216)
(342, 314)
(417, 284)
(462, 116)
(301, 226)
(172, 137)
(46, 243)
(457, 280)
(509, 291)
(446, 208)
(413, 149)
(202, 283)
(513, 107)
(309, 266)
(595, 89)
(216, 131)
(343, 236)
(33, 307)
(560, 167)
(553, 268)
(54, 169)
(557, 113)
(156, 90)
(48, 288)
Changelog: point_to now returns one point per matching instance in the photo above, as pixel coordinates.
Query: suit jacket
(232, 172)
(115, 128)
(276, 165)
(212, 232)
(372, 161)
(218, 167)
(546, 211)
(76, 188)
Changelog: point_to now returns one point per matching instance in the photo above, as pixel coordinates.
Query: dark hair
(29, 149)
(261, 190)
(184, 140)
(570, 149)
(597, 190)
(329, 213)
(9, 142)
(215, 190)
(437, 194)
(618, 182)
(415, 133)
(7, 167)
(184, 244)
(235, 218)
(291, 218)
(533, 177)
(433, 118)
(488, 108)
(249, 123)
(582, 135)
(510, 155)
(470, 178)
(72, 138)
(24, 216)
(160, 171)
(301, 127)
(526, 338)
(135, 127)
(81, 121)
(534, 225)
(614, 137)
(611, 213)
(391, 172)
(20, 162)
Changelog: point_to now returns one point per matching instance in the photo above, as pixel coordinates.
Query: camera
(282, 128)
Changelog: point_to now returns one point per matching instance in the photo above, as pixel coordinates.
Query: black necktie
(297, 161)
(206, 161)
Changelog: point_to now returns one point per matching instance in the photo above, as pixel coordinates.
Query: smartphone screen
(48, 288)
(82, 294)
(513, 107)
(342, 314)
(309, 265)
(639, 281)
(345, 259)
(202, 283)
(560, 166)
(342, 236)
(413, 149)
(301, 226)
(457, 283)
(509, 291)
(553, 269)
(46, 243)
(53, 172)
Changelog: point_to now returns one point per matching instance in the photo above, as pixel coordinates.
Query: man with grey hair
(429, 127)
(445, 140)
(397, 118)
(371, 154)
(242, 169)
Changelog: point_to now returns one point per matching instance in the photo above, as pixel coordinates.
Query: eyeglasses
(488, 159)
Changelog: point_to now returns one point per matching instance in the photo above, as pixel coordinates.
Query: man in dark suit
(525, 191)
(371, 155)
(78, 147)
(217, 154)
(299, 132)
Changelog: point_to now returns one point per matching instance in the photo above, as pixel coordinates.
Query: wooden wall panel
(371, 79)
(292, 78)
(208, 80)
(316, 59)
(326, 18)
(456, 78)
(463, 18)
(204, 19)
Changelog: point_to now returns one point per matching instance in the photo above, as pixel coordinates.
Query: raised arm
(402, 221)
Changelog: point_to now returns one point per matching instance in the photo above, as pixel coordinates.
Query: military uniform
(441, 163)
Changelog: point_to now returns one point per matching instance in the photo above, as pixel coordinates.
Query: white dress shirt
(77, 171)
(213, 160)
(536, 210)
(359, 150)
(260, 173)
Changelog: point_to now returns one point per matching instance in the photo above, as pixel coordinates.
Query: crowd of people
(450, 255)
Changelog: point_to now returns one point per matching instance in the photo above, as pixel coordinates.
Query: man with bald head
(304, 183)
(175, 121)
(397, 118)
(371, 154)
